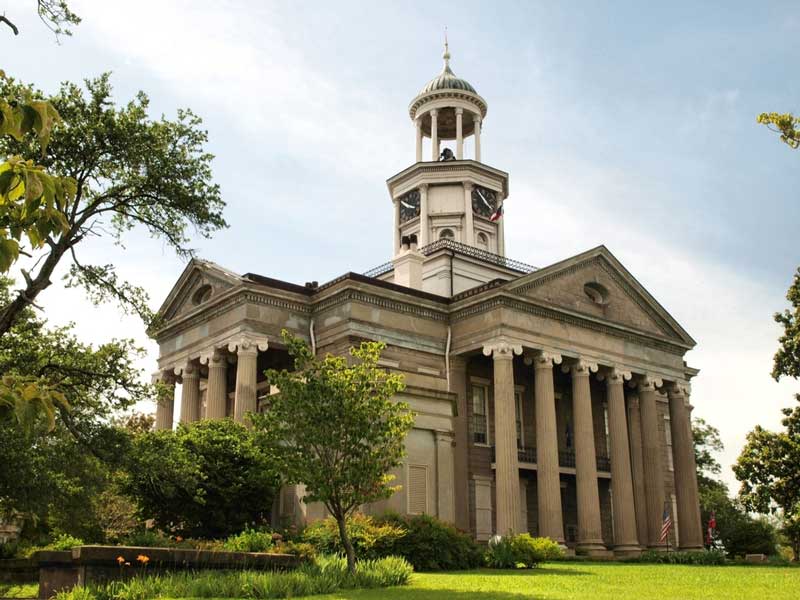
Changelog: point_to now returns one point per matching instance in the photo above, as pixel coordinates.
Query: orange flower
(120, 560)
(143, 559)
(178, 538)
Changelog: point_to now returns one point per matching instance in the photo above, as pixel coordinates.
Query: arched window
(597, 292)
(202, 294)
(483, 241)
(446, 234)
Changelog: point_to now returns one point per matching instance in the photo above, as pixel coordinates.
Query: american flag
(665, 526)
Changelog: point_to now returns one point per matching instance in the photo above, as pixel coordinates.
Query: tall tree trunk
(348, 545)
(11, 312)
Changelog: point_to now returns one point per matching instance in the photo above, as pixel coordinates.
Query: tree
(55, 14)
(128, 171)
(769, 469)
(208, 479)
(786, 124)
(336, 428)
(707, 442)
(787, 358)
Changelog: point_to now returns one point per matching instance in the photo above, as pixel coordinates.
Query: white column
(165, 404)
(418, 126)
(469, 227)
(445, 487)
(505, 438)
(216, 395)
(434, 135)
(501, 234)
(190, 393)
(459, 134)
(396, 248)
(477, 120)
(423, 216)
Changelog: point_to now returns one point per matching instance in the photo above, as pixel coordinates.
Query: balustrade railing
(566, 458)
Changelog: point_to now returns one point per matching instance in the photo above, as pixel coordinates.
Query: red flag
(497, 214)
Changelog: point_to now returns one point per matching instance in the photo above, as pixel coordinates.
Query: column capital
(188, 369)
(246, 343)
(459, 110)
(679, 389)
(544, 359)
(163, 376)
(433, 112)
(615, 375)
(423, 187)
(213, 357)
(501, 350)
(444, 437)
(580, 368)
(648, 383)
(476, 118)
(468, 185)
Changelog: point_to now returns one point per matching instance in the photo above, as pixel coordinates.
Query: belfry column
(165, 405)
(434, 135)
(418, 127)
(423, 215)
(653, 463)
(396, 248)
(548, 480)
(469, 223)
(691, 534)
(216, 398)
(190, 393)
(459, 134)
(506, 460)
(637, 468)
(477, 120)
(590, 532)
(625, 539)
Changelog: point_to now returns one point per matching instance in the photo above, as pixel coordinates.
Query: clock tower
(445, 194)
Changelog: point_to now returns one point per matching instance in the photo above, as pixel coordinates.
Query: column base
(593, 550)
(699, 548)
(658, 548)
(627, 551)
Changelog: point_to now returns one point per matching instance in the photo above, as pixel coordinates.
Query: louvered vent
(417, 489)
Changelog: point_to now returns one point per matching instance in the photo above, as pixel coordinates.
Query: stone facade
(552, 400)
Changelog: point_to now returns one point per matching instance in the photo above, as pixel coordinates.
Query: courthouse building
(552, 400)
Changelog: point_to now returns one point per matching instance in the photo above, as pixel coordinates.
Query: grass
(596, 581)
(19, 590)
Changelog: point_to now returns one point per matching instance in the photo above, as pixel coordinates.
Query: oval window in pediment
(201, 294)
(597, 292)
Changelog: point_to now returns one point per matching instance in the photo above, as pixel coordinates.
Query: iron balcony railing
(566, 458)
(464, 249)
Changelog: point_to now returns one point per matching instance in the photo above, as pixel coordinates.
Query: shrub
(250, 540)
(306, 552)
(431, 545)
(514, 551)
(703, 557)
(64, 541)
(370, 539)
(328, 575)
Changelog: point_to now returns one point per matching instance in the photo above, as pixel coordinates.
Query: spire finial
(446, 55)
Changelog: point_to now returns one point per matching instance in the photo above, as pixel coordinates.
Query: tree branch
(4, 19)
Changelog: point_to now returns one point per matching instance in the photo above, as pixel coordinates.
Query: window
(417, 489)
(605, 425)
(518, 396)
(668, 441)
(483, 241)
(480, 414)
(202, 294)
(446, 234)
(597, 292)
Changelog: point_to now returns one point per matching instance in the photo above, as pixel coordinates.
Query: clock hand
(406, 204)
(486, 202)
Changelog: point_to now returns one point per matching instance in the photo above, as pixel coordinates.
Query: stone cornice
(503, 299)
(455, 171)
(357, 295)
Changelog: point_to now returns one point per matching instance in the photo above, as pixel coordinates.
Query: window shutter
(417, 489)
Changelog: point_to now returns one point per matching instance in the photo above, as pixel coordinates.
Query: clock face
(409, 206)
(484, 201)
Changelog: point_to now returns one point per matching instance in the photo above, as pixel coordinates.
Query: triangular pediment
(200, 281)
(595, 283)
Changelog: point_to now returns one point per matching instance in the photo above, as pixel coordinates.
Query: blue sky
(626, 124)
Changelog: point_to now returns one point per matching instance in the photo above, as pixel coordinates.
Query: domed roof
(447, 80)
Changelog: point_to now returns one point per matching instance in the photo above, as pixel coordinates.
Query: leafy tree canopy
(55, 14)
(128, 171)
(769, 470)
(336, 427)
(707, 443)
(787, 358)
(786, 124)
(210, 479)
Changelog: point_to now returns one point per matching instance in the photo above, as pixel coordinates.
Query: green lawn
(596, 581)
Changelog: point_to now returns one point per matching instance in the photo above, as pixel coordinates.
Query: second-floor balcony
(566, 458)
